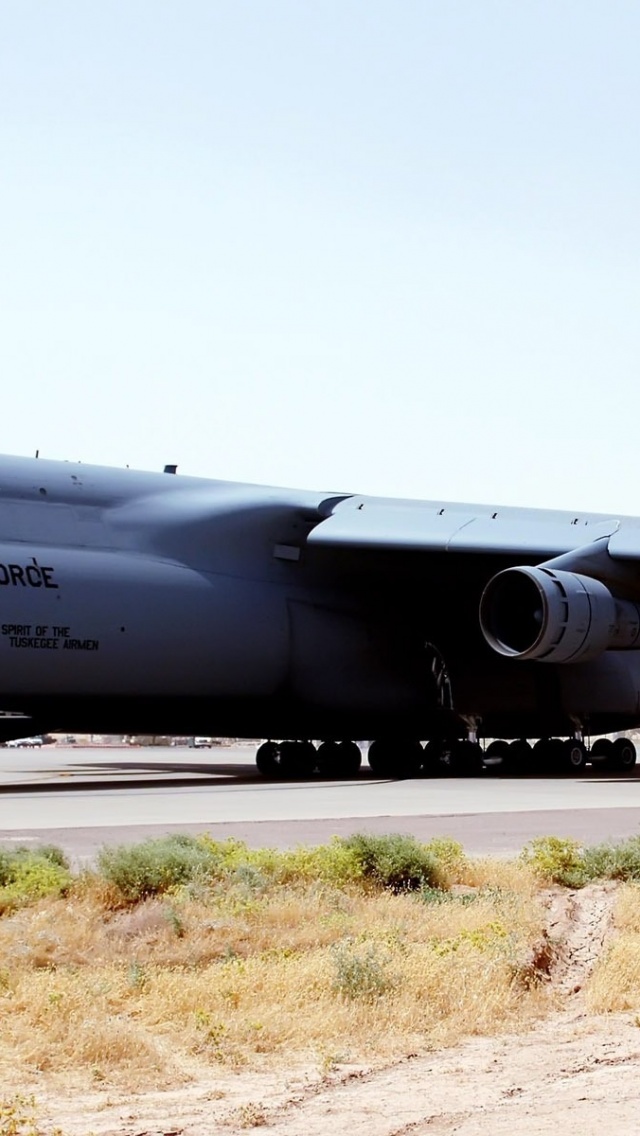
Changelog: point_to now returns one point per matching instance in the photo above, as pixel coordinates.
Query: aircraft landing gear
(463, 759)
(619, 756)
(623, 756)
(296, 760)
(574, 756)
(286, 759)
(403, 758)
(406, 758)
(551, 756)
(513, 759)
(268, 759)
(602, 752)
(338, 759)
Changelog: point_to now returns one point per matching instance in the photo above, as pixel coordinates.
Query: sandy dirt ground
(574, 1074)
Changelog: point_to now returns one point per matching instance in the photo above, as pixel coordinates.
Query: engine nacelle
(555, 617)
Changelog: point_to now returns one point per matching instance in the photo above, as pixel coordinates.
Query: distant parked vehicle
(18, 742)
(200, 743)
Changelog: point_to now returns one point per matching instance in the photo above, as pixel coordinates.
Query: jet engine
(555, 617)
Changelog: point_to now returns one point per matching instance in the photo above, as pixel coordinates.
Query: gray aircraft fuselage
(148, 603)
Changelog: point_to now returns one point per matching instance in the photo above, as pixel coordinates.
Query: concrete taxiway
(84, 798)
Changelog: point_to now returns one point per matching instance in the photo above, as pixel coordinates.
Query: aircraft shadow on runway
(98, 777)
(190, 776)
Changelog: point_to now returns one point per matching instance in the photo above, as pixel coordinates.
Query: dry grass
(19, 1117)
(615, 981)
(148, 993)
(506, 875)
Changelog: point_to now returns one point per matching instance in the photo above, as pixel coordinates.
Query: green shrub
(557, 859)
(327, 863)
(156, 866)
(396, 862)
(333, 863)
(29, 874)
(10, 857)
(436, 895)
(566, 862)
(7, 860)
(448, 853)
(362, 973)
(613, 861)
(53, 853)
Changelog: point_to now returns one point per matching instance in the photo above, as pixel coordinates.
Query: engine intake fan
(555, 617)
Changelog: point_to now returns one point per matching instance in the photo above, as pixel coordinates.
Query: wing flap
(357, 523)
(625, 543)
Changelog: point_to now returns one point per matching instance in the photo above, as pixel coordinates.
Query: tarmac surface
(85, 798)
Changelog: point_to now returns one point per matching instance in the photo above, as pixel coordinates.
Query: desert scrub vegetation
(186, 952)
(182, 952)
(27, 875)
(554, 859)
(19, 1116)
(398, 862)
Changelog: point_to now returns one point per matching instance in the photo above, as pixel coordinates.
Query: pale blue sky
(388, 247)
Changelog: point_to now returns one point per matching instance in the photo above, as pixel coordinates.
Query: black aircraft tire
(466, 760)
(519, 760)
(328, 760)
(623, 756)
(380, 759)
(350, 758)
(400, 759)
(432, 759)
(574, 756)
(496, 758)
(268, 759)
(297, 759)
(336, 760)
(601, 753)
(548, 756)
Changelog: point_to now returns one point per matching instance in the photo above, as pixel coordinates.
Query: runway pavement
(84, 798)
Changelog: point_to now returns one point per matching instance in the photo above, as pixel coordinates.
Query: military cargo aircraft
(140, 603)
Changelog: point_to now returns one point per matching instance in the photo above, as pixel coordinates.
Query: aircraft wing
(361, 522)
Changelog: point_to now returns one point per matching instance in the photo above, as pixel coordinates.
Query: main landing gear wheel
(351, 758)
(548, 755)
(602, 752)
(508, 759)
(395, 759)
(297, 759)
(496, 757)
(574, 755)
(623, 755)
(286, 759)
(619, 756)
(465, 759)
(268, 759)
(519, 759)
(432, 759)
(338, 759)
